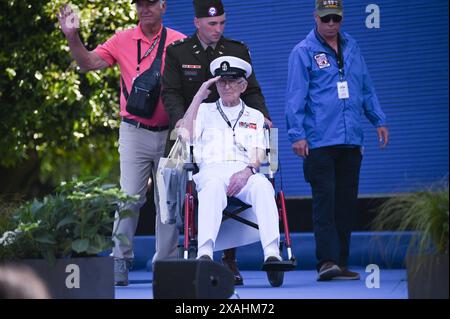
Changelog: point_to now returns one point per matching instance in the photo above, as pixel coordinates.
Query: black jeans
(333, 173)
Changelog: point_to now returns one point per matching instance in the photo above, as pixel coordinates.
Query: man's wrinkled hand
(301, 148)
(204, 91)
(183, 134)
(383, 136)
(268, 123)
(237, 182)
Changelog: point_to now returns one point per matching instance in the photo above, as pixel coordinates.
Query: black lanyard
(226, 118)
(340, 59)
(219, 108)
(339, 54)
(146, 53)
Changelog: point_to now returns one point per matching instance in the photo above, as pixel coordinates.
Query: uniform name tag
(190, 72)
(191, 66)
(322, 60)
(342, 88)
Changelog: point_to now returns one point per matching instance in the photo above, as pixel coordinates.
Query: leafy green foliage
(425, 212)
(47, 105)
(76, 221)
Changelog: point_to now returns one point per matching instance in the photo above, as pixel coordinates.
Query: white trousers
(140, 151)
(212, 182)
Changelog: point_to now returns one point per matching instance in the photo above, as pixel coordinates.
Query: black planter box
(427, 276)
(76, 278)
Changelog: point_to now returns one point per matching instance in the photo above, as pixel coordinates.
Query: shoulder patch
(240, 44)
(235, 41)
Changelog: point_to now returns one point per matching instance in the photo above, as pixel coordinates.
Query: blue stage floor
(385, 250)
(297, 285)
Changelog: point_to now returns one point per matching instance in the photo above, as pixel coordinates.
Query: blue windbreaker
(313, 110)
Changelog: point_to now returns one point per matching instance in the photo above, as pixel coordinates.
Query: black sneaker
(329, 270)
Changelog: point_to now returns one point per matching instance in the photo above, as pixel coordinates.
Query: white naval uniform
(219, 157)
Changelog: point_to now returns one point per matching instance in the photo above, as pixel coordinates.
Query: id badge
(342, 88)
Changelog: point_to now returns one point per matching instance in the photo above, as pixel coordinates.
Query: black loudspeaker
(191, 279)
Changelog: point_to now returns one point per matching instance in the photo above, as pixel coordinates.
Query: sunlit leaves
(47, 105)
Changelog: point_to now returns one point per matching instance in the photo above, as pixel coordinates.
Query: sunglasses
(336, 18)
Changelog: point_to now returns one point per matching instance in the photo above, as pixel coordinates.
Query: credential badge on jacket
(321, 60)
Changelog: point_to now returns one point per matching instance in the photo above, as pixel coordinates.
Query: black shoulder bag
(146, 88)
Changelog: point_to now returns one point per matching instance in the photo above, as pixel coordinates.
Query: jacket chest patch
(322, 60)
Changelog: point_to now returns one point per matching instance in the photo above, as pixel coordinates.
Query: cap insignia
(212, 12)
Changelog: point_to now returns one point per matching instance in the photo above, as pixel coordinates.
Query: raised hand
(68, 20)
(204, 91)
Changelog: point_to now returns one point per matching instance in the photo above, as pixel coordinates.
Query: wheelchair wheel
(275, 278)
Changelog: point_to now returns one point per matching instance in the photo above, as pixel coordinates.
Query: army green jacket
(187, 67)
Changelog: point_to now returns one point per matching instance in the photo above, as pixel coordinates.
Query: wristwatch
(252, 169)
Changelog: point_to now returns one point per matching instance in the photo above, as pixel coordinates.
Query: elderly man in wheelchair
(228, 147)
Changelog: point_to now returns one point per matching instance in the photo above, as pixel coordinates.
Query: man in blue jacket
(328, 91)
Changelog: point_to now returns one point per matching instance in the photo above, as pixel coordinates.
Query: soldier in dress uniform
(187, 67)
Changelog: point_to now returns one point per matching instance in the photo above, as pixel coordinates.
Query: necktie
(209, 53)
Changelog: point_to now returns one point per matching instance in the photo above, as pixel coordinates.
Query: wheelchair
(275, 271)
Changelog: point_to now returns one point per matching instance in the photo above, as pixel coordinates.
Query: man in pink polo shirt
(141, 140)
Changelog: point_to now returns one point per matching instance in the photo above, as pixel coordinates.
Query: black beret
(208, 8)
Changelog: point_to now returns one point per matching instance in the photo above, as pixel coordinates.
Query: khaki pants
(140, 151)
